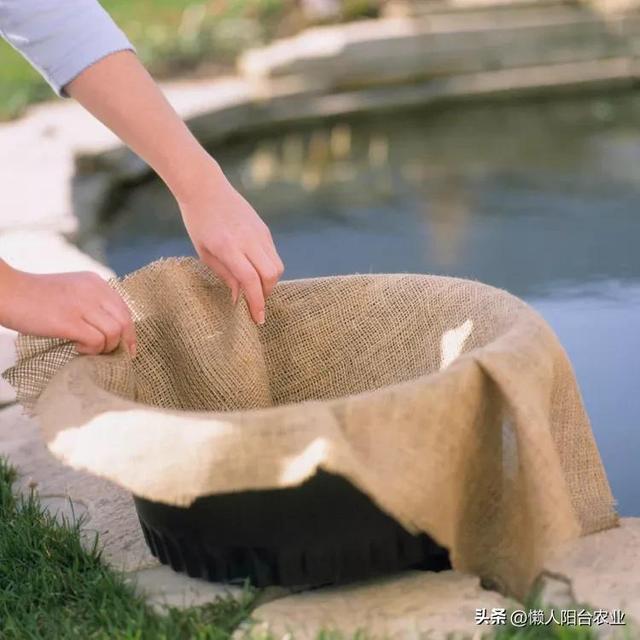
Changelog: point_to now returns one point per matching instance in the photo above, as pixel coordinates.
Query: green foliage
(551, 631)
(177, 36)
(20, 85)
(51, 587)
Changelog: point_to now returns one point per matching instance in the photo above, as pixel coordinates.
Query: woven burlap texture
(449, 402)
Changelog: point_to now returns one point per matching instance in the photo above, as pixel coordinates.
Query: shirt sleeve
(60, 38)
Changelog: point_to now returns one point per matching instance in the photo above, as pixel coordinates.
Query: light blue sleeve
(60, 38)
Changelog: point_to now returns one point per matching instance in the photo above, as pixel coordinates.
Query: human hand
(80, 307)
(226, 232)
(232, 239)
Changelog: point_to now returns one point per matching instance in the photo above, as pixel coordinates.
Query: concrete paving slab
(408, 606)
(604, 570)
(41, 148)
(163, 587)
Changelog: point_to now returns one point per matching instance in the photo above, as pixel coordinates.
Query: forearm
(121, 94)
(8, 288)
(112, 84)
(7, 282)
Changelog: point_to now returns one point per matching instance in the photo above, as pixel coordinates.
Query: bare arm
(82, 53)
(227, 233)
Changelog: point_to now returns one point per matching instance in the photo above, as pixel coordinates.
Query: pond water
(540, 198)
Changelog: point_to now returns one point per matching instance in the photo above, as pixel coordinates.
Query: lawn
(177, 37)
(53, 587)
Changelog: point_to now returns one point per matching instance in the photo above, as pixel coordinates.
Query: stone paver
(601, 570)
(164, 587)
(38, 153)
(64, 509)
(41, 251)
(402, 50)
(604, 569)
(409, 606)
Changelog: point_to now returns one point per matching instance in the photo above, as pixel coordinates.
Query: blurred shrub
(188, 36)
(358, 9)
(213, 32)
(216, 32)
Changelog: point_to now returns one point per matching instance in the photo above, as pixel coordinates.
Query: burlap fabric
(450, 403)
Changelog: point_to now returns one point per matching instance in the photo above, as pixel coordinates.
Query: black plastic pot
(324, 531)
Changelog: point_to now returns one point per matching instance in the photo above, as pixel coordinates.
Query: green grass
(174, 37)
(53, 587)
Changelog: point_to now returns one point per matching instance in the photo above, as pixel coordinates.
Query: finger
(270, 249)
(224, 274)
(277, 261)
(118, 308)
(89, 341)
(266, 268)
(109, 326)
(249, 280)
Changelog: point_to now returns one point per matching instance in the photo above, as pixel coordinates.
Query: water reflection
(540, 198)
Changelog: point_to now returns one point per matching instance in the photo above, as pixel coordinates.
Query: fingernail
(132, 350)
(261, 317)
(234, 297)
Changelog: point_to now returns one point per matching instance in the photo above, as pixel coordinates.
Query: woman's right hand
(80, 307)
